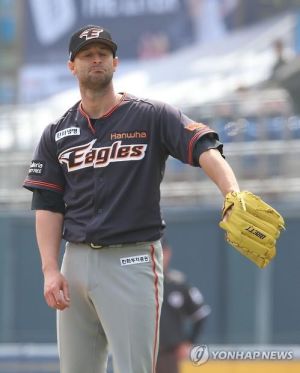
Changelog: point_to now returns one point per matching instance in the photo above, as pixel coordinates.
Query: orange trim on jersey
(87, 118)
(114, 107)
(156, 310)
(194, 139)
(107, 114)
(44, 184)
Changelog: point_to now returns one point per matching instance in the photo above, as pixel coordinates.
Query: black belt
(99, 247)
(93, 246)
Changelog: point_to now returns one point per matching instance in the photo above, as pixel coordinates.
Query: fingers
(57, 300)
(65, 291)
(50, 299)
(57, 294)
(61, 301)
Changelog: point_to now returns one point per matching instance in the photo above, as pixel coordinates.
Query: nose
(97, 58)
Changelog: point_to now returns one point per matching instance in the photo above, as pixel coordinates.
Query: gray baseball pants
(116, 295)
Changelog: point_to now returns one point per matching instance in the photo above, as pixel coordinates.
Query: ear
(115, 63)
(71, 67)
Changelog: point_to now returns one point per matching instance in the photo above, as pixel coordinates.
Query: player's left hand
(252, 226)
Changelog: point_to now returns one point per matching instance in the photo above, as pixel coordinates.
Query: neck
(96, 104)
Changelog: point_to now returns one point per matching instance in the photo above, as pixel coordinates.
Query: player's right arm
(49, 226)
(46, 181)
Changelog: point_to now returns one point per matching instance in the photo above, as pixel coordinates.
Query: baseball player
(95, 178)
(183, 315)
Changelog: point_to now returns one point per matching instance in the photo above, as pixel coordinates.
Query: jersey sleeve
(45, 171)
(205, 143)
(43, 199)
(179, 134)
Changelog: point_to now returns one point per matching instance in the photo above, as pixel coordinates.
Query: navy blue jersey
(109, 171)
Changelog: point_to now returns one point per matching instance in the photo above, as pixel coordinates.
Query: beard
(97, 82)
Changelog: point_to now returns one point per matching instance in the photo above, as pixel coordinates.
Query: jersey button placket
(99, 191)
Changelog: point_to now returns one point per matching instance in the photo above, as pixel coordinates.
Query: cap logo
(91, 33)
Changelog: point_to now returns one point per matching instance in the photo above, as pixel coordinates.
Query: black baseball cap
(87, 35)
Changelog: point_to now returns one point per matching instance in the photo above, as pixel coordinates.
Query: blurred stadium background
(215, 60)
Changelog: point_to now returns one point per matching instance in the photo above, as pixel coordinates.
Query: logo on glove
(256, 232)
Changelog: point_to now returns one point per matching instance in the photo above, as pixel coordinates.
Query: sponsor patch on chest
(128, 135)
(138, 259)
(71, 131)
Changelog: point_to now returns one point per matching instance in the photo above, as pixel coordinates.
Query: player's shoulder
(62, 122)
(67, 117)
(146, 102)
(175, 276)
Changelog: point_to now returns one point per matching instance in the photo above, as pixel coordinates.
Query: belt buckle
(93, 246)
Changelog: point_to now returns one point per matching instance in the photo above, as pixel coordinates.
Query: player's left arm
(252, 226)
(219, 171)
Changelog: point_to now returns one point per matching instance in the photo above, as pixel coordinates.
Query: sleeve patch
(36, 168)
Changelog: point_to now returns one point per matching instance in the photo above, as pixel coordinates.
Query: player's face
(94, 66)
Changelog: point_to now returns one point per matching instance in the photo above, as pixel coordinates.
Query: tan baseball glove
(252, 226)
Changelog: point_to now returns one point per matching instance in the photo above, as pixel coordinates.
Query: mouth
(97, 70)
